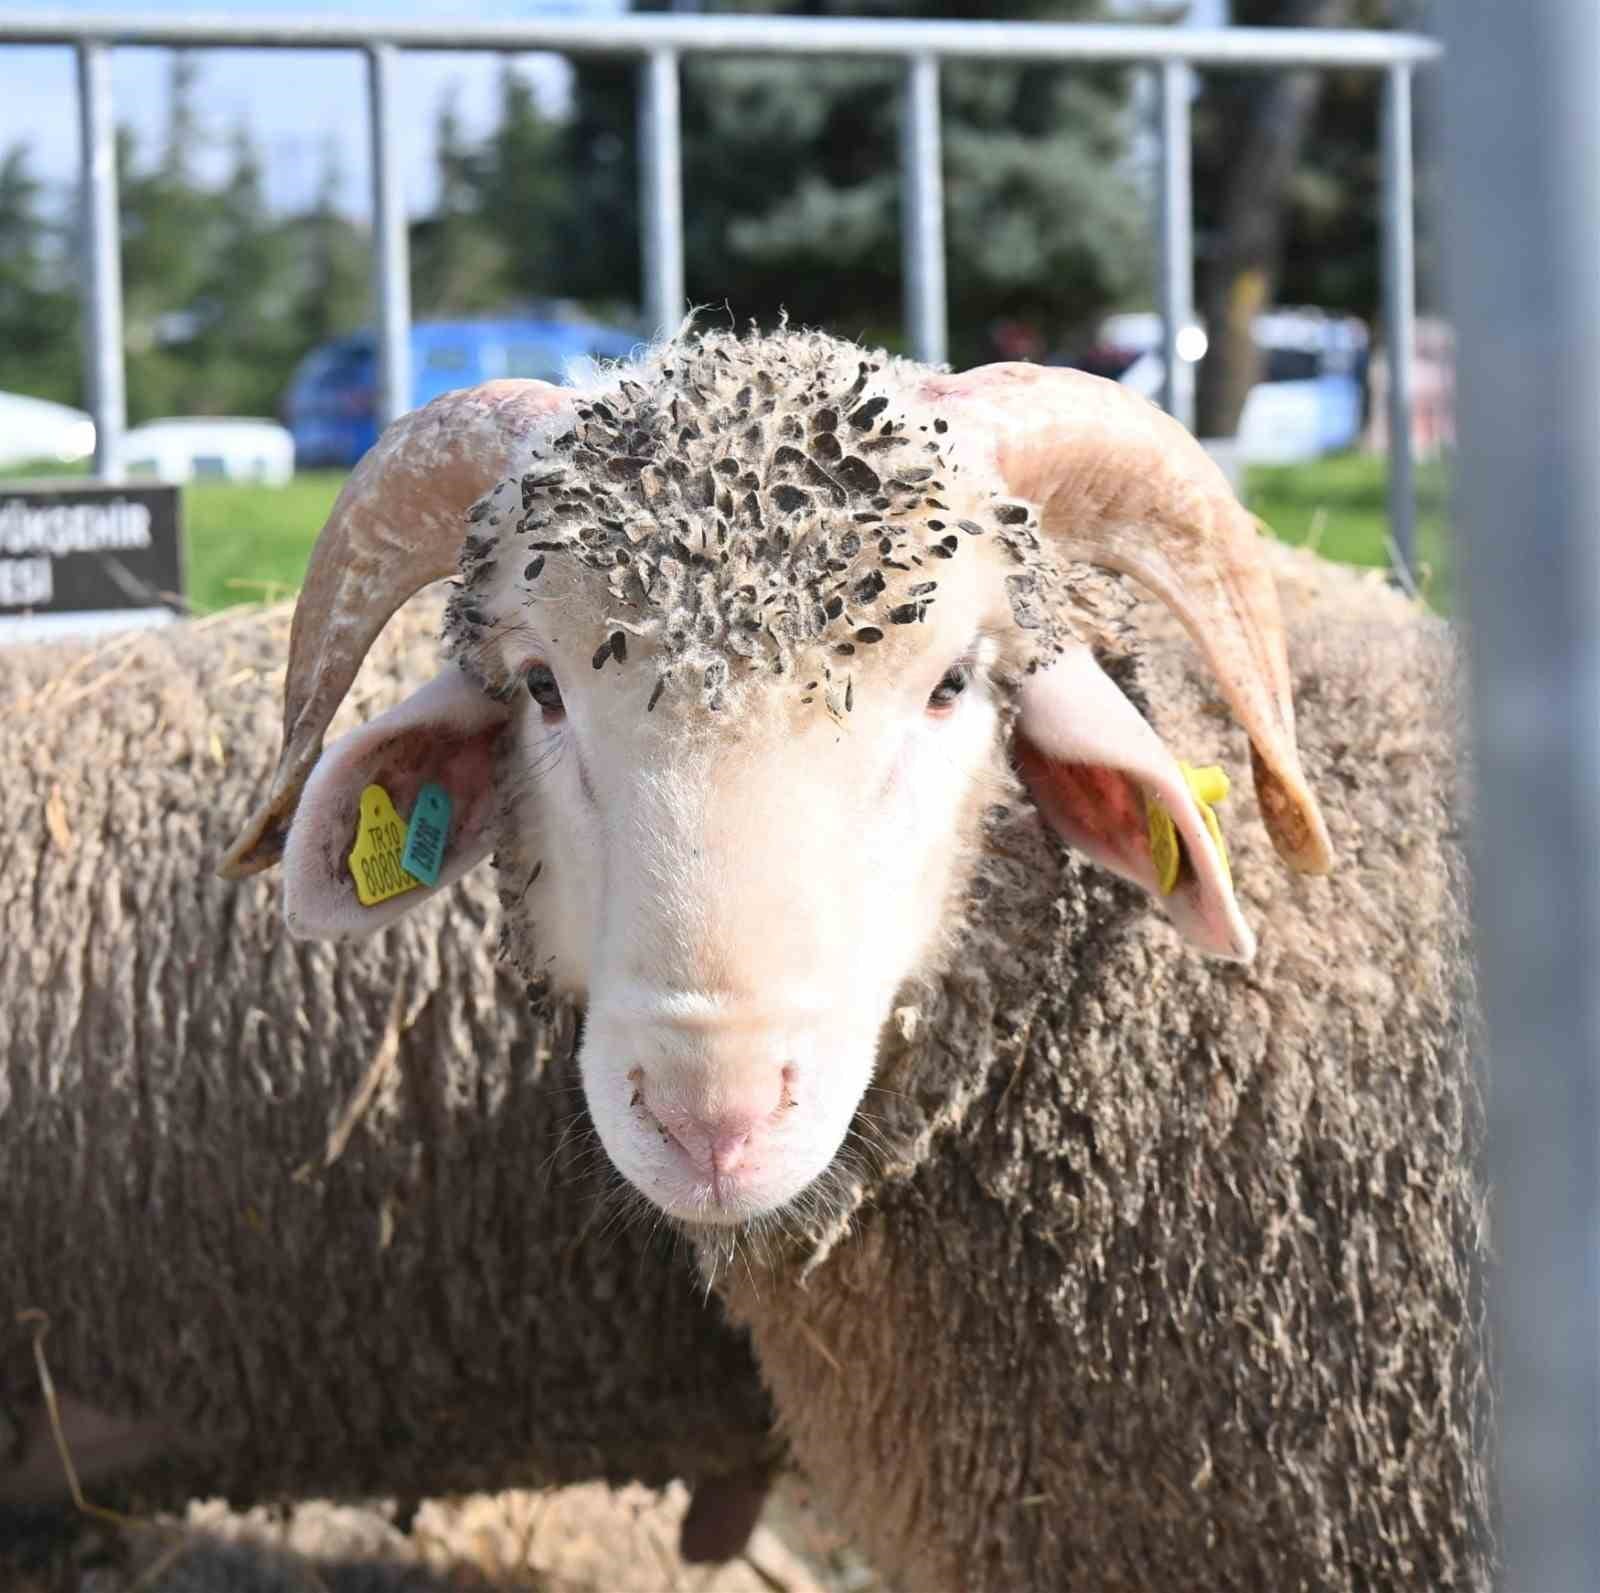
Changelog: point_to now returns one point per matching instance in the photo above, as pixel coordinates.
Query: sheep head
(745, 640)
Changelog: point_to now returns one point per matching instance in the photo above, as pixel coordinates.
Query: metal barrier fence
(659, 42)
(1521, 159)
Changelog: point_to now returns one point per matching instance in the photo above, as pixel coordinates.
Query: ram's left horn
(398, 524)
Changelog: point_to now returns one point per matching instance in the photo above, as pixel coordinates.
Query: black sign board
(87, 556)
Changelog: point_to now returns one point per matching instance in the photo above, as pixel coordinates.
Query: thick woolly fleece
(1172, 1278)
(331, 1213)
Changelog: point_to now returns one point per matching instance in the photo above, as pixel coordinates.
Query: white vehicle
(1308, 402)
(35, 429)
(226, 448)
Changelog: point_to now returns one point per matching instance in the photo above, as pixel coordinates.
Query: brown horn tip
(1291, 815)
(398, 525)
(262, 840)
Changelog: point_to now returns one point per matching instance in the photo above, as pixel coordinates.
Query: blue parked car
(329, 406)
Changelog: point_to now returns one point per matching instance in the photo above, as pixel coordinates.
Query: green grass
(247, 543)
(1337, 506)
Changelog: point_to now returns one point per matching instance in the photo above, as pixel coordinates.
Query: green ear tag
(427, 834)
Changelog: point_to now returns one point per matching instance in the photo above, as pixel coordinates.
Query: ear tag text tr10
(1208, 787)
(380, 841)
(427, 834)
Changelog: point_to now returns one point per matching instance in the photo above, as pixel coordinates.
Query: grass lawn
(1337, 507)
(249, 543)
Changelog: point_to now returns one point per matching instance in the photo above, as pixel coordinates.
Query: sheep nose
(719, 1127)
(716, 1145)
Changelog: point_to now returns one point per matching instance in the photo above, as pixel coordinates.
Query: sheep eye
(951, 686)
(543, 689)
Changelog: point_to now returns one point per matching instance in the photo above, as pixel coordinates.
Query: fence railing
(659, 43)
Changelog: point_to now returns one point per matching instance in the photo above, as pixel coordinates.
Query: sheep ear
(443, 735)
(1094, 766)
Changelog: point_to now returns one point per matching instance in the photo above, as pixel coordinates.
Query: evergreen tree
(244, 338)
(184, 138)
(168, 243)
(791, 171)
(522, 191)
(459, 265)
(40, 351)
(331, 282)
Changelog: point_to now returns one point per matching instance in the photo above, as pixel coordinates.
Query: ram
(777, 675)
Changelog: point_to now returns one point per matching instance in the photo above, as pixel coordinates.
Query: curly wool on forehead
(776, 503)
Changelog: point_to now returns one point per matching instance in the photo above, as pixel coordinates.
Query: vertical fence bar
(661, 189)
(391, 252)
(1523, 212)
(1176, 251)
(102, 258)
(1399, 314)
(922, 211)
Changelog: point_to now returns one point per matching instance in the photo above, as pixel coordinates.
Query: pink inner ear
(1097, 810)
(445, 734)
(462, 764)
(1092, 763)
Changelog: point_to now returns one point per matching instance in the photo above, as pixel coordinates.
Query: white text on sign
(25, 582)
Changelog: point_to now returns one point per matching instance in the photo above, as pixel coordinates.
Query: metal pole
(1176, 253)
(922, 211)
(1522, 209)
(102, 259)
(1399, 313)
(1251, 49)
(661, 185)
(391, 254)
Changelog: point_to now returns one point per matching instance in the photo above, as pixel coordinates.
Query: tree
(792, 176)
(40, 351)
(222, 296)
(1287, 174)
(500, 230)
(523, 190)
(168, 237)
(245, 340)
(332, 283)
(458, 260)
(185, 136)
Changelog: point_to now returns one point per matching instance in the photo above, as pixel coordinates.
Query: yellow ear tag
(1208, 786)
(380, 843)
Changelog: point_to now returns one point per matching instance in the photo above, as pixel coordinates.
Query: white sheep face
(738, 894)
(736, 657)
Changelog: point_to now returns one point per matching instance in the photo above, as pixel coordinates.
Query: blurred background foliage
(791, 183)
(794, 173)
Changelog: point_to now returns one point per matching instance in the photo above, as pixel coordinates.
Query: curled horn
(1122, 485)
(398, 524)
